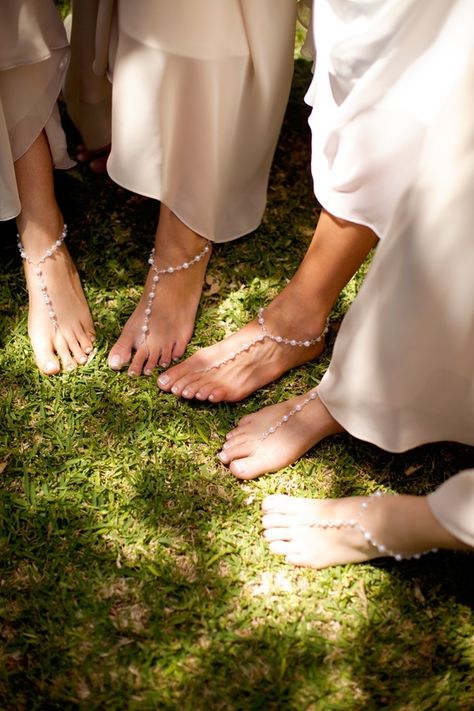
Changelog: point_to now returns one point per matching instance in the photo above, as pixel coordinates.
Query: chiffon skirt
(34, 55)
(402, 371)
(383, 70)
(453, 505)
(199, 93)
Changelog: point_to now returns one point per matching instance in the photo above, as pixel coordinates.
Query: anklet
(357, 523)
(306, 343)
(313, 395)
(156, 278)
(39, 272)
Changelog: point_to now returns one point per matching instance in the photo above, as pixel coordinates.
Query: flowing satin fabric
(199, 93)
(34, 55)
(453, 505)
(383, 70)
(402, 371)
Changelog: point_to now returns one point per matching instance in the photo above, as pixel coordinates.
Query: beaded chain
(264, 336)
(357, 523)
(156, 278)
(39, 271)
(312, 395)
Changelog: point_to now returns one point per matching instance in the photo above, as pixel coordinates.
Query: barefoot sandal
(264, 335)
(357, 523)
(156, 278)
(39, 272)
(312, 395)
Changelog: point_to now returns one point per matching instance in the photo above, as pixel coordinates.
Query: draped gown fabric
(199, 93)
(402, 371)
(34, 54)
(453, 505)
(383, 70)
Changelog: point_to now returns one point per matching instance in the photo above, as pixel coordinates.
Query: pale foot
(402, 524)
(174, 307)
(197, 377)
(71, 342)
(289, 527)
(248, 454)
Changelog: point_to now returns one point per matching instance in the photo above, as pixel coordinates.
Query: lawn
(133, 574)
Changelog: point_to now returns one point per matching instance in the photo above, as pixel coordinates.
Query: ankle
(37, 237)
(288, 319)
(175, 238)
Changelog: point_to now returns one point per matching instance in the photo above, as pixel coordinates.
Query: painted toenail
(164, 379)
(115, 361)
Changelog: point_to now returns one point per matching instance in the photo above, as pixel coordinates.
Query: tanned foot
(71, 342)
(265, 361)
(248, 454)
(174, 307)
(402, 524)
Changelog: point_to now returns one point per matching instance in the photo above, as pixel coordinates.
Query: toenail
(211, 397)
(199, 396)
(164, 379)
(223, 457)
(239, 468)
(147, 371)
(226, 445)
(115, 361)
(132, 374)
(185, 393)
(164, 365)
(82, 360)
(175, 390)
(51, 365)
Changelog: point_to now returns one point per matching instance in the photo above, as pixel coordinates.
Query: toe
(247, 467)
(151, 363)
(283, 547)
(276, 520)
(138, 361)
(120, 354)
(280, 503)
(62, 349)
(277, 534)
(165, 357)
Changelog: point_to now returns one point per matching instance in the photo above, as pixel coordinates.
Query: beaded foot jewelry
(262, 337)
(312, 395)
(357, 523)
(39, 271)
(156, 278)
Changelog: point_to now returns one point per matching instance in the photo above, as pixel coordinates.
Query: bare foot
(322, 532)
(70, 342)
(249, 453)
(230, 370)
(174, 306)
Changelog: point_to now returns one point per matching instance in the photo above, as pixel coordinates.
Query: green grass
(132, 570)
